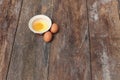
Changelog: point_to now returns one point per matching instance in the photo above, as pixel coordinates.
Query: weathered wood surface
(119, 8)
(104, 25)
(9, 15)
(30, 54)
(86, 47)
(69, 54)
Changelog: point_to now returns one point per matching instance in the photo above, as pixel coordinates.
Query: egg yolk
(39, 25)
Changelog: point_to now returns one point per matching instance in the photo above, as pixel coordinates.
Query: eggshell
(54, 28)
(47, 36)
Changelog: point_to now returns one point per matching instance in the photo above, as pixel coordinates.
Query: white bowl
(42, 18)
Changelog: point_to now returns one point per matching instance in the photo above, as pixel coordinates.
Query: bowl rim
(49, 21)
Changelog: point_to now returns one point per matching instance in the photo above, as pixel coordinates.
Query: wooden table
(87, 46)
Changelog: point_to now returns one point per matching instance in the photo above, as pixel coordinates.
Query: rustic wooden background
(87, 46)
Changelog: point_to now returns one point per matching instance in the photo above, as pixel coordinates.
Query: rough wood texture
(87, 46)
(69, 54)
(30, 54)
(119, 8)
(104, 24)
(9, 15)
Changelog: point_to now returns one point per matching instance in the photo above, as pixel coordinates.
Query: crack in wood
(119, 8)
(14, 38)
(47, 8)
(89, 38)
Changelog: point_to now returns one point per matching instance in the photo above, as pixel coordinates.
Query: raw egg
(47, 36)
(54, 28)
(39, 25)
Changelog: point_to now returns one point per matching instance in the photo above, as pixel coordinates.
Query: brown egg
(54, 28)
(47, 36)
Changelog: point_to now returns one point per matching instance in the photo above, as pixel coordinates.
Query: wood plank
(69, 54)
(9, 15)
(104, 24)
(30, 54)
(119, 8)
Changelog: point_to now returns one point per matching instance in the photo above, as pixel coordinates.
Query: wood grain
(9, 15)
(85, 48)
(69, 54)
(104, 25)
(30, 54)
(119, 8)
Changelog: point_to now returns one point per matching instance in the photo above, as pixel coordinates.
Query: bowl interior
(41, 18)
